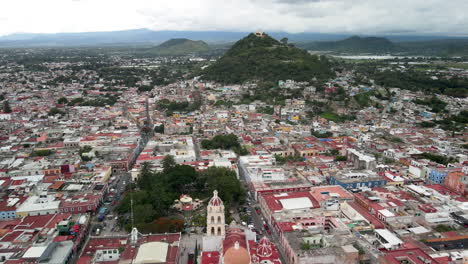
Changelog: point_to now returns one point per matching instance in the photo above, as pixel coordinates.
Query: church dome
(236, 255)
(235, 247)
(215, 200)
(264, 248)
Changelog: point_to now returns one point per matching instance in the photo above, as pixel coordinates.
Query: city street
(187, 246)
(258, 224)
(109, 226)
(257, 220)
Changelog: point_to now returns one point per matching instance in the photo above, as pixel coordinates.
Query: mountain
(442, 47)
(76, 39)
(266, 59)
(378, 45)
(179, 46)
(141, 36)
(125, 37)
(354, 45)
(146, 36)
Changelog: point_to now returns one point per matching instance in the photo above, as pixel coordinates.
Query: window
(212, 220)
(219, 219)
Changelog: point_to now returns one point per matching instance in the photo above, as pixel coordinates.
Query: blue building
(426, 114)
(357, 179)
(437, 175)
(7, 215)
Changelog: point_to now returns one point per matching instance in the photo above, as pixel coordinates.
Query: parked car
(101, 217)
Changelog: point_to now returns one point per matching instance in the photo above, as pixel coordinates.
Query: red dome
(264, 248)
(215, 200)
(265, 241)
(255, 259)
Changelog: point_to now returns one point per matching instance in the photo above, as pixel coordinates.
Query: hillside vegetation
(181, 46)
(263, 58)
(378, 45)
(354, 44)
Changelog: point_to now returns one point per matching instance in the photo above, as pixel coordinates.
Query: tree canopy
(6, 107)
(266, 59)
(156, 191)
(225, 142)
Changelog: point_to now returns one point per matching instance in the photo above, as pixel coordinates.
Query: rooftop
(290, 201)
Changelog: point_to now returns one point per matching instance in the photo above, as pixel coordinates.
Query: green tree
(306, 246)
(6, 107)
(221, 142)
(341, 158)
(241, 151)
(55, 111)
(168, 163)
(85, 149)
(159, 129)
(441, 159)
(42, 152)
(143, 213)
(62, 100)
(225, 181)
(144, 179)
(181, 178)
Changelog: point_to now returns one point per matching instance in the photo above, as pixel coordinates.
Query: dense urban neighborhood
(267, 154)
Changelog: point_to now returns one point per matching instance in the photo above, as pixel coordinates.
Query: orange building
(457, 181)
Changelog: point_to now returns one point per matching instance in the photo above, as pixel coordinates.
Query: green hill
(444, 47)
(180, 46)
(266, 59)
(354, 44)
(377, 45)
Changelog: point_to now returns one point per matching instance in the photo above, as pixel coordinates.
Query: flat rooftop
(357, 176)
(290, 201)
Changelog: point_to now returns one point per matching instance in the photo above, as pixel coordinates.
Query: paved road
(258, 224)
(258, 220)
(109, 226)
(196, 146)
(187, 246)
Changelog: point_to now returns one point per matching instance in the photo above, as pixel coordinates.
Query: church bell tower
(215, 222)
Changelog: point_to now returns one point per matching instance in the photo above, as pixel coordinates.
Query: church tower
(215, 218)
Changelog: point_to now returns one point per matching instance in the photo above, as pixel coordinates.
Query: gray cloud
(323, 16)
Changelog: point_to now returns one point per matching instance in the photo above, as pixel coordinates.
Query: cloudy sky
(443, 17)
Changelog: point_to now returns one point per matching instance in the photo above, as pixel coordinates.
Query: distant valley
(163, 43)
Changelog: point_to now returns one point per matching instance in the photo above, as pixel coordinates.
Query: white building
(261, 168)
(38, 205)
(387, 239)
